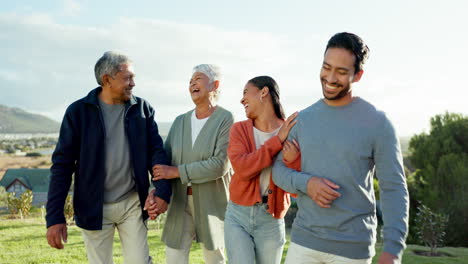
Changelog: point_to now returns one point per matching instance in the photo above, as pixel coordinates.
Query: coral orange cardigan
(248, 162)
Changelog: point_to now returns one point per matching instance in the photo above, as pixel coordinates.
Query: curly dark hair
(354, 44)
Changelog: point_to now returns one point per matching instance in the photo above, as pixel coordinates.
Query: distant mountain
(16, 120)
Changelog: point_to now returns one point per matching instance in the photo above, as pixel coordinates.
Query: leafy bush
(431, 228)
(376, 189)
(33, 154)
(441, 177)
(3, 197)
(68, 209)
(20, 205)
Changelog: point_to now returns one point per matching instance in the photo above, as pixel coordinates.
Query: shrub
(20, 205)
(440, 181)
(430, 228)
(68, 209)
(33, 154)
(3, 197)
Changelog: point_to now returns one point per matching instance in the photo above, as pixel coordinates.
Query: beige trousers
(126, 217)
(298, 254)
(181, 256)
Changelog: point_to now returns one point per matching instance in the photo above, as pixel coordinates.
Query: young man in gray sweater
(343, 141)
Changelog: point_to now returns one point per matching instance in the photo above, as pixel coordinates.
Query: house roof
(35, 179)
(20, 180)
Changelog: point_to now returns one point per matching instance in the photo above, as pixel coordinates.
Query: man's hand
(56, 234)
(150, 204)
(290, 150)
(387, 258)
(322, 191)
(154, 205)
(161, 205)
(165, 172)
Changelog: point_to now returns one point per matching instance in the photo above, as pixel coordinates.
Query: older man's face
(122, 84)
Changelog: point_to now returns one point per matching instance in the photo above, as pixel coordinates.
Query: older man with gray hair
(110, 141)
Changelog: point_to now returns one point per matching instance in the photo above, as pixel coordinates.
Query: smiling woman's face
(251, 100)
(199, 87)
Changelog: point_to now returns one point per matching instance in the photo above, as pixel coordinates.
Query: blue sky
(416, 67)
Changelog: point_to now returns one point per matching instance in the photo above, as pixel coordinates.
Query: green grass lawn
(23, 241)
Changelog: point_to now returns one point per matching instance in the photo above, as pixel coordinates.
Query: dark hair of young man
(352, 43)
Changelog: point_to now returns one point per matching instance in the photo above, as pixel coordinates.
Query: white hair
(109, 64)
(212, 71)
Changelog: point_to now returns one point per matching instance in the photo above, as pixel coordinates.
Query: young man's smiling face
(337, 75)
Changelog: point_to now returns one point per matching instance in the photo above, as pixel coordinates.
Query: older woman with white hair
(200, 172)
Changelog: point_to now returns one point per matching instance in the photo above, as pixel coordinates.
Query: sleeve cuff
(184, 178)
(393, 248)
(276, 143)
(295, 164)
(55, 220)
(163, 193)
(300, 182)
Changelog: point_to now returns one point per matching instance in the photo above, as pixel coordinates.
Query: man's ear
(358, 76)
(105, 79)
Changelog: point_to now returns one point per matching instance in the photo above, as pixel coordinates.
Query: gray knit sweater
(346, 145)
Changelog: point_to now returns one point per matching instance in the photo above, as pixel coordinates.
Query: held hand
(154, 205)
(56, 234)
(161, 205)
(290, 150)
(286, 127)
(387, 258)
(165, 172)
(150, 205)
(322, 191)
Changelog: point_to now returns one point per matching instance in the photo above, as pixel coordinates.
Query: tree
(33, 154)
(3, 196)
(20, 205)
(431, 228)
(441, 177)
(68, 209)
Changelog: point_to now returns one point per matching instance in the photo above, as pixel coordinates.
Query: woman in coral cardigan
(254, 224)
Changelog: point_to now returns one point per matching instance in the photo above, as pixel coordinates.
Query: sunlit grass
(23, 241)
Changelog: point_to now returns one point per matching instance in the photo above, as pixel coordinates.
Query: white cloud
(71, 8)
(55, 62)
(9, 75)
(46, 65)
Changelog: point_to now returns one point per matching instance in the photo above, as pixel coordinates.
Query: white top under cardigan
(260, 138)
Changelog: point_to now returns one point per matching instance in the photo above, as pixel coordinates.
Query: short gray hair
(212, 71)
(109, 64)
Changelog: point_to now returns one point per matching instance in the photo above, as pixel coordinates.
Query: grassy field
(23, 241)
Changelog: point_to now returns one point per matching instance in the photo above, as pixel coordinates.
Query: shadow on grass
(13, 226)
(429, 254)
(21, 237)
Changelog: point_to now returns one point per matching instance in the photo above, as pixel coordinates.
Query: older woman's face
(199, 87)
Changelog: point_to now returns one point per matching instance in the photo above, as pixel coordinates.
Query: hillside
(16, 120)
